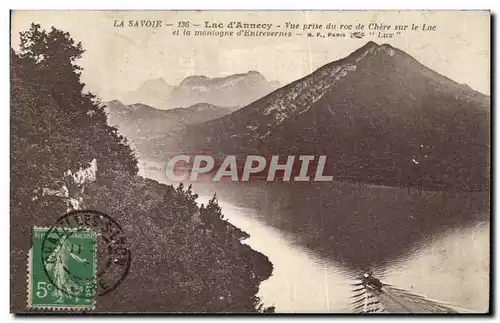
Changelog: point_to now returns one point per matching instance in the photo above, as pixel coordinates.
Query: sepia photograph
(250, 161)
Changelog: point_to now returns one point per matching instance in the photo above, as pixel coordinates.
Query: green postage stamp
(62, 269)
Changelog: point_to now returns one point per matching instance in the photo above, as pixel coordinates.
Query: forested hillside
(184, 258)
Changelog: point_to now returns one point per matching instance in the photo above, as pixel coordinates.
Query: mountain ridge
(151, 131)
(354, 109)
(234, 90)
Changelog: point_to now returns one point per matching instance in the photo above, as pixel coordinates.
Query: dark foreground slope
(185, 258)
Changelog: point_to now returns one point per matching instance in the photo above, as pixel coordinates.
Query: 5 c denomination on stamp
(62, 268)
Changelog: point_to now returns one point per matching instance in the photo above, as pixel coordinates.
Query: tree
(56, 128)
(78, 117)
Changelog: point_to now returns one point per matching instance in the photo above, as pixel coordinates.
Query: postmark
(84, 255)
(113, 252)
(62, 268)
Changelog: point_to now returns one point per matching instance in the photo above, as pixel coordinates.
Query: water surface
(320, 239)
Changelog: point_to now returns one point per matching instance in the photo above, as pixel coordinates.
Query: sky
(120, 59)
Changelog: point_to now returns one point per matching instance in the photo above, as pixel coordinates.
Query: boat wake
(373, 296)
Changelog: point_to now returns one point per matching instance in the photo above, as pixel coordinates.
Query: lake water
(449, 263)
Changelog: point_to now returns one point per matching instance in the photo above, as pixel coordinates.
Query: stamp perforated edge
(29, 281)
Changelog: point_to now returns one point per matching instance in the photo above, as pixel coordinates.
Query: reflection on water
(453, 268)
(446, 258)
(301, 281)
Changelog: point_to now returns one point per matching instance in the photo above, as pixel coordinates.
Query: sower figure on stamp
(57, 264)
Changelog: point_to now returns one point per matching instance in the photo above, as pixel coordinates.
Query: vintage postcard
(250, 161)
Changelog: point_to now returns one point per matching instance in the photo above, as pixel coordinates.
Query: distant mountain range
(154, 93)
(148, 128)
(380, 116)
(232, 91)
